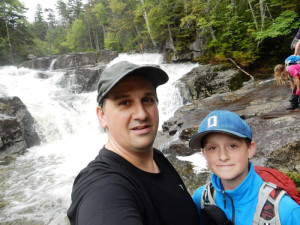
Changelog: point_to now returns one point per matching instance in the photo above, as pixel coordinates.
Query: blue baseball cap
(221, 121)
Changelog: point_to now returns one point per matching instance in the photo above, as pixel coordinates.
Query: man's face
(130, 115)
(227, 156)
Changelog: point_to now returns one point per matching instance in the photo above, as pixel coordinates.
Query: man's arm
(109, 205)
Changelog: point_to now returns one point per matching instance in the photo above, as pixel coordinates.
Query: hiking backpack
(291, 60)
(276, 185)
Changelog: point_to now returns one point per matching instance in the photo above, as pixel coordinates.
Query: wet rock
(43, 75)
(70, 61)
(82, 79)
(73, 61)
(12, 136)
(106, 55)
(206, 80)
(14, 108)
(39, 63)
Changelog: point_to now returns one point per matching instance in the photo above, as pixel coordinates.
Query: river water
(36, 187)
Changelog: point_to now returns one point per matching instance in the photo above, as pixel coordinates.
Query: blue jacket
(241, 202)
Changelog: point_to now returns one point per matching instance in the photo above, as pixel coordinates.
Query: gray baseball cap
(113, 74)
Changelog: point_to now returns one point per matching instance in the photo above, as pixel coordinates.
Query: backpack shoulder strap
(213, 215)
(267, 209)
(208, 196)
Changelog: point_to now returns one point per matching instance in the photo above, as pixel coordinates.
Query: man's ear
(203, 153)
(101, 117)
(251, 149)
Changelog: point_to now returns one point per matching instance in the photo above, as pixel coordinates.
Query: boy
(226, 143)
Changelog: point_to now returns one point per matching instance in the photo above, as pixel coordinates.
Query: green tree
(14, 35)
(77, 38)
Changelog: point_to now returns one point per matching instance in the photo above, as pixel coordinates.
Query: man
(297, 44)
(130, 182)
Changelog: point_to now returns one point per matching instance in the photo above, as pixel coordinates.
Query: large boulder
(76, 60)
(82, 79)
(16, 111)
(105, 55)
(43, 63)
(206, 80)
(71, 61)
(12, 136)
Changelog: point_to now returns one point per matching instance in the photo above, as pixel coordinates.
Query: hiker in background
(296, 43)
(226, 143)
(290, 70)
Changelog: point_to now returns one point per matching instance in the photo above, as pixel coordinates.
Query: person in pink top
(282, 73)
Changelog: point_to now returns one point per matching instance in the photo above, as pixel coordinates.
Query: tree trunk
(253, 15)
(171, 39)
(147, 23)
(211, 29)
(185, 7)
(262, 14)
(89, 31)
(103, 28)
(9, 42)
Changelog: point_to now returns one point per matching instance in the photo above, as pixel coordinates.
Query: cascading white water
(36, 187)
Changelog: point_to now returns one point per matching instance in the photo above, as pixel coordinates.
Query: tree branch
(240, 68)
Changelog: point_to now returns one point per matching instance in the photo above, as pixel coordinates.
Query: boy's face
(227, 156)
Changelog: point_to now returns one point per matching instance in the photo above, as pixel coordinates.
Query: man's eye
(148, 100)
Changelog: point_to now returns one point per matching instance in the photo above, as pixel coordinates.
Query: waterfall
(36, 187)
(52, 64)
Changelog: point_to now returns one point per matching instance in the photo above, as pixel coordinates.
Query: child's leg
(297, 85)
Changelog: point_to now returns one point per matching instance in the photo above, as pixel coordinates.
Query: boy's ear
(251, 149)
(101, 117)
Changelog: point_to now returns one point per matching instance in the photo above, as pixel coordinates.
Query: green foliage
(77, 39)
(284, 24)
(111, 41)
(222, 29)
(295, 177)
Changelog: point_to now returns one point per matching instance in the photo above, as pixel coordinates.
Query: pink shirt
(294, 70)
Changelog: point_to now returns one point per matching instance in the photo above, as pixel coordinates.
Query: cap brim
(196, 140)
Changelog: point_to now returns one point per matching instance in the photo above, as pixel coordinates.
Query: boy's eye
(211, 148)
(232, 147)
(123, 103)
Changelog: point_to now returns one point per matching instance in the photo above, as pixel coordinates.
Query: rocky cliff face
(70, 61)
(261, 103)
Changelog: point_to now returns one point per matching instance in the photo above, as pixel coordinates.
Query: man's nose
(140, 112)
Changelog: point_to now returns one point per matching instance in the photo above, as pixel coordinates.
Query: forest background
(254, 33)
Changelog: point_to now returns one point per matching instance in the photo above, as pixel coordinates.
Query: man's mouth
(140, 127)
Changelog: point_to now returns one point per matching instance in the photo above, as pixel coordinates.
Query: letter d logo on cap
(212, 121)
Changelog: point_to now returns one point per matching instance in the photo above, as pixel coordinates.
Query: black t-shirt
(111, 191)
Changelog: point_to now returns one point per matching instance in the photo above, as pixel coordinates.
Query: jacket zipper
(233, 210)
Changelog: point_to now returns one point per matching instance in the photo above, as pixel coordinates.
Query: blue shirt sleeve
(289, 211)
